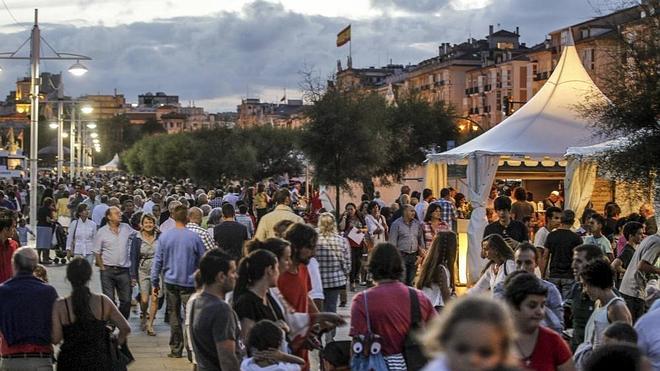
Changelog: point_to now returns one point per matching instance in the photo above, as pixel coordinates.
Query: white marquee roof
(112, 165)
(544, 127)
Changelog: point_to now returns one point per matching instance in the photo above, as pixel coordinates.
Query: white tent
(540, 131)
(113, 165)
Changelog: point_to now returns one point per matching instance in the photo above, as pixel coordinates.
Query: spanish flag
(344, 36)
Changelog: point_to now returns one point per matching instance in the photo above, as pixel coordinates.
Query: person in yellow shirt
(281, 212)
(62, 209)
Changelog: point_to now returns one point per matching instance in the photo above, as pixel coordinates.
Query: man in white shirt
(232, 196)
(641, 267)
(552, 220)
(155, 199)
(99, 210)
(169, 223)
(420, 208)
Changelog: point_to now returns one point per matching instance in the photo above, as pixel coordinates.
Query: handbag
(120, 355)
(412, 352)
(365, 350)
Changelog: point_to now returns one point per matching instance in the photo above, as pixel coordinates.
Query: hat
(554, 193)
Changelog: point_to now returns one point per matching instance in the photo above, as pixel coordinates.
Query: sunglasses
(483, 352)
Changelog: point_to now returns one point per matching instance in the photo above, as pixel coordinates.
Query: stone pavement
(151, 351)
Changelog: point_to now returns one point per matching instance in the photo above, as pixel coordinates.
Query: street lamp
(94, 135)
(77, 69)
(91, 125)
(87, 109)
(53, 125)
(35, 58)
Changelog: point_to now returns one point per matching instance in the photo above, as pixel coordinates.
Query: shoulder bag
(412, 352)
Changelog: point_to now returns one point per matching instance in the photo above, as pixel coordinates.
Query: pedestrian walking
(177, 258)
(80, 237)
(26, 304)
(143, 251)
(407, 235)
(80, 323)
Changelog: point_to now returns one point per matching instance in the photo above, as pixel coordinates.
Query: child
(41, 273)
(23, 231)
(264, 342)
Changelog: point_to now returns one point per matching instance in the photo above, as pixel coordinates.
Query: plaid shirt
(203, 234)
(333, 255)
(448, 211)
(216, 202)
(247, 222)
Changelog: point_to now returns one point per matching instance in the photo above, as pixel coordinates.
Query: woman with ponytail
(257, 272)
(80, 320)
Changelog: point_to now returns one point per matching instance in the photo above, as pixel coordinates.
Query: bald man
(195, 215)
(26, 304)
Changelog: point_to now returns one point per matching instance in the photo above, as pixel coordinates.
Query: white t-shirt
(634, 282)
(248, 364)
(540, 237)
(315, 277)
(648, 336)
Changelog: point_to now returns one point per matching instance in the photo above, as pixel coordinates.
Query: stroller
(59, 244)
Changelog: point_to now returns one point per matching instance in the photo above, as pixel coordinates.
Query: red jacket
(6, 251)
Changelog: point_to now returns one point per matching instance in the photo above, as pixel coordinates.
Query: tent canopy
(112, 165)
(545, 126)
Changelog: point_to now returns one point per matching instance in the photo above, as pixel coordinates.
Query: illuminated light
(94, 135)
(475, 128)
(462, 227)
(461, 127)
(91, 125)
(77, 69)
(96, 141)
(53, 125)
(87, 109)
(65, 135)
(97, 149)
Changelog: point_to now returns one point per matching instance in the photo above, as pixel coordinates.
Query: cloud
(215, 59)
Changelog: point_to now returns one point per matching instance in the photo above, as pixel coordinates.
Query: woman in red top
(538, 348)
(390, 322)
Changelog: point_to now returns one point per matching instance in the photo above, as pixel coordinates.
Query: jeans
(563, 285)
(636, 306)
(410, 265)
(330, 305)
(117, 278)
(26, 364)
(177, 297)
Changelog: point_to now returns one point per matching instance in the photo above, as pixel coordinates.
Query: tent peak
(569, 37)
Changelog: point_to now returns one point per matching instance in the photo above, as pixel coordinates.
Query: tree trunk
(337, 190)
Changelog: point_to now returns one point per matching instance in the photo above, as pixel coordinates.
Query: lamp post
(35, 57)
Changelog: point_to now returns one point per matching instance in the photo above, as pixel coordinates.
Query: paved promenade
(151, 351)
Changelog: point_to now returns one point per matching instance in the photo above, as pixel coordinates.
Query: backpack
(365, 350)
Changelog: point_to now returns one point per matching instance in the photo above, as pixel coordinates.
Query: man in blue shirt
(26, 304)
(177, 258)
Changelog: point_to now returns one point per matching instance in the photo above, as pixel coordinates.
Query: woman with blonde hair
(434, 278)
(143, 250)
(473, 333)
(334, 258)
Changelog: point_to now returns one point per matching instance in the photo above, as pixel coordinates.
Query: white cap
(556, 193)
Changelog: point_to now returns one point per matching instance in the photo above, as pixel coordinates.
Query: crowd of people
(251, 282)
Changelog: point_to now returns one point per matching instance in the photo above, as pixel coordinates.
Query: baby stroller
(59, 244)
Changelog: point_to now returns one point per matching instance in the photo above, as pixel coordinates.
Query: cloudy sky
(217, 51)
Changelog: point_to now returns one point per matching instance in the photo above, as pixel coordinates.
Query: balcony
(440, 83)
(541, 76)
(498, 85)
(487, 87)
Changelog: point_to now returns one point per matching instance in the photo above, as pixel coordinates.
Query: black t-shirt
(626, 255)
(230, 236)
(250, 306)
(515, 230)
(561, 243)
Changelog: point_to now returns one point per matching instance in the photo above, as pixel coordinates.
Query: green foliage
(632, 84)
(346, 138)
(217, 155)
(416, 128)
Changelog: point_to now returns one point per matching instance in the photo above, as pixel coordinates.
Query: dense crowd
(251, 278)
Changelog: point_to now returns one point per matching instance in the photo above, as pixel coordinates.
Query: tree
(151, 127)
(345, 139)
(632, 84)
(417, 127)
